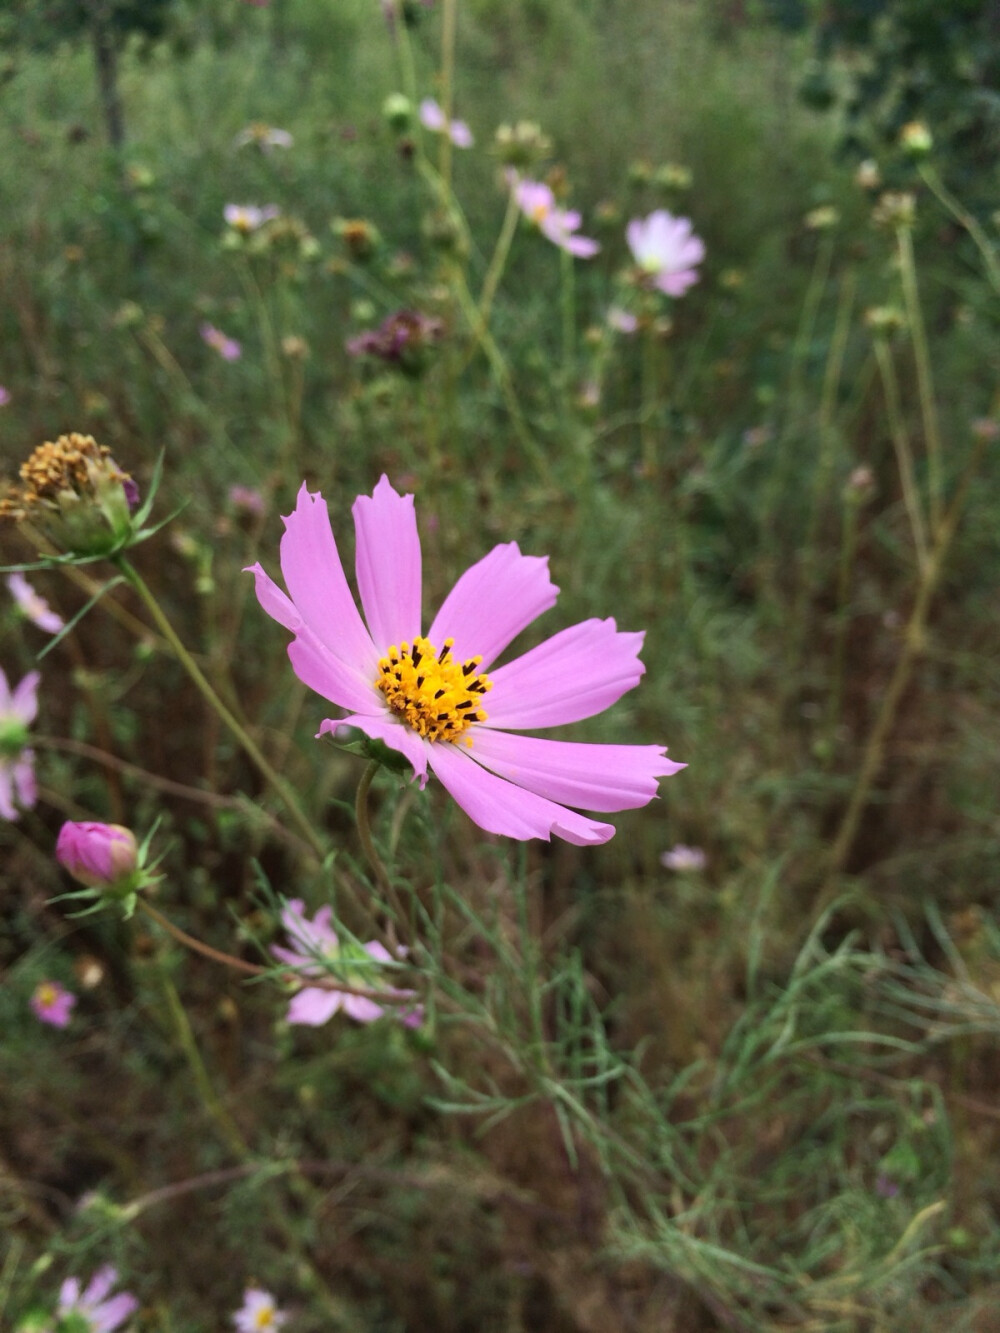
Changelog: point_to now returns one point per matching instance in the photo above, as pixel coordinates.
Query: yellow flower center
(264, 1318)
(431, 692)
(46, 995)
(539, 213)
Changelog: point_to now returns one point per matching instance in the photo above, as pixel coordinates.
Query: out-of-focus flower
(317, 952)
(52, 1003)
(247, 500)
(868, 176)
(75, 492)
(672, 176)
(360, 237)
(228, 348)
(397, 110)
(895, 208)
(621, 320)
(885, 1186)
(559, 225)
(666, 250)
(98, 1315)
(860, 485)
(100, 856)
(258, 1313)
(246, 218)
(684, 858)
(757, 436)
(426, 697)
(884, 320)
(432, 117)
(822, 218)
(34, 607)
(18, 709)
(4, 396)
(915, 138)
(402, 339)
(521, 146)
(262, 136)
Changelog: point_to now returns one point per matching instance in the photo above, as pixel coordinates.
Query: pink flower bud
(100, 856)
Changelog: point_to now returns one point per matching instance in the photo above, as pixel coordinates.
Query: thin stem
(363, 821)
(498, 261)
(967, 220)
(567, 302)
(647, 427)
(904, 455)
(449, 15)
(212, 699)
(848, 547)
(925, 379)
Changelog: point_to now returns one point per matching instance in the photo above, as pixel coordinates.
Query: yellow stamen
(433, 694)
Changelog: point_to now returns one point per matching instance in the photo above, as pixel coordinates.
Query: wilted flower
(247, 500)
(18, 709)
(228, 348)
(403, 339)
(317, 952)
(425, 697)
(666, 251)
(100, 856)
(683, 858)
(99, 1315)
(52, 1003)
(432, 117)
(33, 606)
(537, 202)
(76, 493)
(264, 137)
(246, 218)
(361, 237)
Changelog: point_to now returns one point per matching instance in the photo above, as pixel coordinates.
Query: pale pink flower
(683, 858)
(537, 202)
(425, 697)
(247, 499)
(18, 709)
(622, 320)
(258, 1312)
(33, 606)
(97, 855)
(4, 396)
(101, 1316)
(666, 250)
(317, 952)
(432, 117)
(52, 1003)
(248, 217)
(228, 348)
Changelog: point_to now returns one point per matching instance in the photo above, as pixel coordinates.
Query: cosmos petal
(314, 1006)
(387, 562)
(316, 666)
(384, 727)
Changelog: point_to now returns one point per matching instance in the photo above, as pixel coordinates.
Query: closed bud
(397, 109)
(99, 856)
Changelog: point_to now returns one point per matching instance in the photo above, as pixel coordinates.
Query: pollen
(433, 693)
(66, 464)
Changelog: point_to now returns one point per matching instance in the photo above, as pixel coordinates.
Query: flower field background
(591, 277)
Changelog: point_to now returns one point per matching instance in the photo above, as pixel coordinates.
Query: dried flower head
(522, 146)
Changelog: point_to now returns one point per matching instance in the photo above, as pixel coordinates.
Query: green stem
(925, 379)
(904, 455)
(212, 699)
(965, 219)
(449, 16)
(498, 261)
(647, 428)
(567, 302)
(848, 547)
(363, 821)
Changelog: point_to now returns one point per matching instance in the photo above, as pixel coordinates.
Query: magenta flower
(432, 117)
(101, 856)
(317, 952)
(258, 1312)
(100, 1316)
(537, 202)
(248, 217)
(34, 607)
(228, 348)
(52, 1003)
(426, 697)
(18, 709)
(666, 250)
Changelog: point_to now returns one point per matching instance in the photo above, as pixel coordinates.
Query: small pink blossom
(247, 500)
(622, 321)
(18, 709)
(97, 855)
(430, 698)
(4, 396)
(683, 858)
(248, 217)
(666, 251)
(432, 117)
(559, 225)
(100, 1315)
(228, 348)
(258, 1313)
(33, 606)
(315, 948)
(52, 1003)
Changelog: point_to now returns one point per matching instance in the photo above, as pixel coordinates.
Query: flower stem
(449, 14)
(925, 381)
(363, 821)
(567, 301)
(904, 455)
(212, 699)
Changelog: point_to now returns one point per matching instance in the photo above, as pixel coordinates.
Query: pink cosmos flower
(316, 947)
(228, 348)
(52, 1003)
(97, 855)
(683, 858)
(248, 217)
(18, 709)
(426, 697)
(622, 320)
(537, 202)
(34, 607)
(432, 117)
(258, 1312)
(666, 250)
(247, 499)
(100, 1316)
(4, 396)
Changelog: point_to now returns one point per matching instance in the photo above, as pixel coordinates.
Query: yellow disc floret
(437, 696)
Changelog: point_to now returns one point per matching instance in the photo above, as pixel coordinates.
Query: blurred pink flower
(4, 396)
(666, 250)
(537, 202)
(228, 348)
(258, 1313)
(248, 217)
(33, 606)
(315, 948)
(683, 858)
(97, 855)
(99, 1315)
(432, 117)
(621, 320)
(52, 1003)
(247, 499)
(425, 697)
(18, 709)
